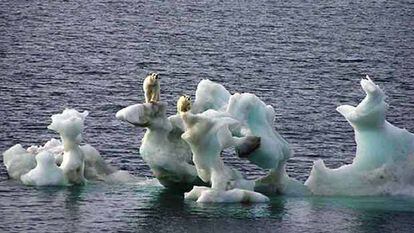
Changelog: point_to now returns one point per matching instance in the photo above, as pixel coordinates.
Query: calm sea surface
(302, 57)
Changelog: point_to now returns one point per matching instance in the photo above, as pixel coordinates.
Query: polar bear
(151, 88)
(184, 104)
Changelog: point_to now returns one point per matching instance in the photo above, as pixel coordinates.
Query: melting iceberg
(162, 148)
(38, 165)
(185, 149)
(207, 138)
(46, 172)
(384, 160)
(18, 161)
(69, 124)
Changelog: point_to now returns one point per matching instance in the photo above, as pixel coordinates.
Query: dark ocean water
(302, 57)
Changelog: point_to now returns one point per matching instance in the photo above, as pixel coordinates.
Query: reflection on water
(302, 57)
(149, 208)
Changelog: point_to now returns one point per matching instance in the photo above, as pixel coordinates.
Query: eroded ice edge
(183, 150)
(62, 162)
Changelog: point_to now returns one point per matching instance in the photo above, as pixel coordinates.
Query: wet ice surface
(304, 59)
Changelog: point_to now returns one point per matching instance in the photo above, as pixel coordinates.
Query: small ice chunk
(210, 95)
(18, 161)
(46, 172)
(209, 195)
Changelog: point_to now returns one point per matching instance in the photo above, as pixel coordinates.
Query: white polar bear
(184, 104)
(151, 88)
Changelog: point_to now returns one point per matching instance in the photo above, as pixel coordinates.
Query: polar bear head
(152, 78)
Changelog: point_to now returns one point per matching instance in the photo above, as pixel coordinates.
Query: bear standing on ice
(152, 88)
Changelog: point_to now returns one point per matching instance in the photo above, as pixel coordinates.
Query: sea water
(303, 58)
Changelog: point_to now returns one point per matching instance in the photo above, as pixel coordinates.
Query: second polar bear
(184, 104)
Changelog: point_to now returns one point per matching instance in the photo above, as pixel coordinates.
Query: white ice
(181, 148)
(78, 163)
(384, 160)
(203, 194)
(18, 161)
(162, 148)
(69, 124)
(184, 150)
(46, 172)
(210, 95)
(207, 138)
